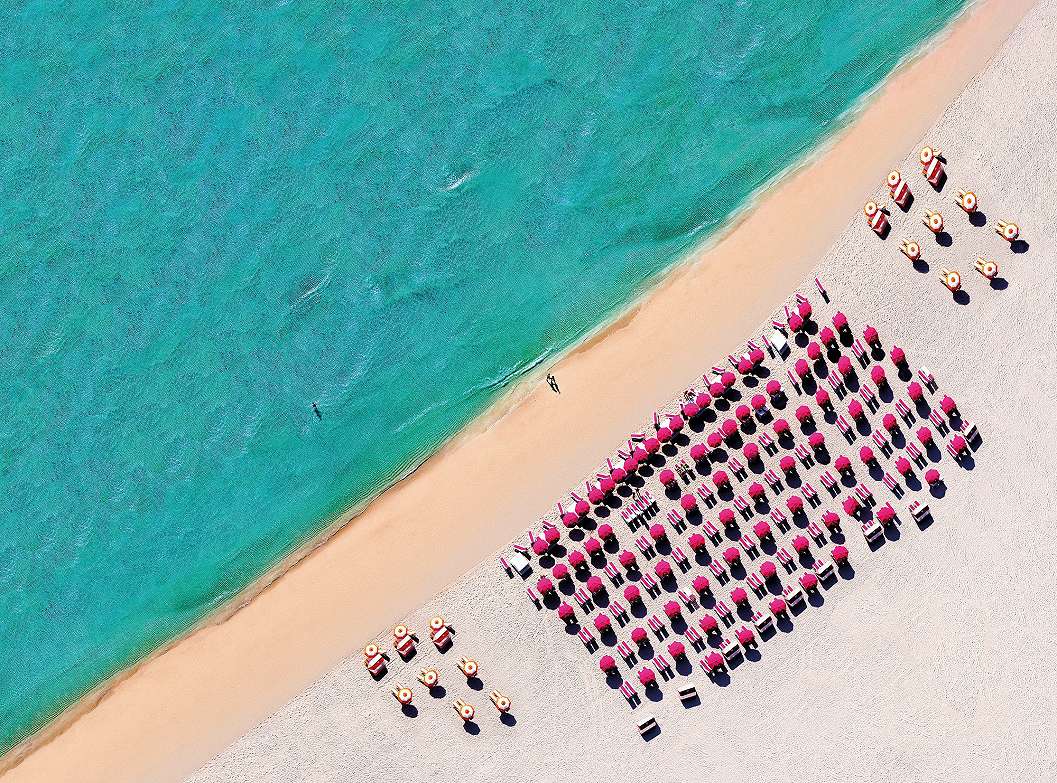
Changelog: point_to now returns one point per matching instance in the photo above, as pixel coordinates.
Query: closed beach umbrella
(808, 581)
(606, 663)
(932, 476)
(877, 375)
(731, 555)
(842, 464)
(947, 405)
(844, 366)
(698, 452)
(822, 398)
(768, 570)
(787, 464)
(714, 439)
(840, 321)
(602, 622)
(708, 624)
(827, 336)
(676, 649)
(696, 541)
(814, 351)
(889, 422)
(855, 409)
(726, 517)
(631, 593)
(925, 436)
(691, 410)
(851, 506)
(565, 612)
(638, 634)
(727, 379)
(796, 323)
(672, 609)
(627, 559)
(903, 466)
(804, 309)
(663, 569)
(756, 490)
(552, 535)
(830, 520)
(742, 413)
(700, 584)
(560, 571)
(720, 478)
(914, 390)
(866, 454)
(773, 387)
(593, 546)
(761, 529)
(667, 477)
(758, 402)
(795, 504)
(840, 554)
(803, 413)
(777, 607)
(730, 428)
(605, 531)
(739, 596)
(802, 368)
(703, 400)
(539, 546)
(800, 544)
(751, 452)
(544, 585)
(646, 676)
(656, 531)
(716, 389)
(688, 502)
(871, 336)
(781, 427)
(594, 584)
(576, 559)
(652, 445)
(816, 440)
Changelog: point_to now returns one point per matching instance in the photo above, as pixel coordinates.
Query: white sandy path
(933, 663)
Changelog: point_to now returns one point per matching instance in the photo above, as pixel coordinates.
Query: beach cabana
(404, 640)
(373, 660)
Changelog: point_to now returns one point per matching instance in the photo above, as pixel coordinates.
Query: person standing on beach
(553, 383)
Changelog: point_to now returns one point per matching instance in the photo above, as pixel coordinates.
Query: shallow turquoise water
(211, 217)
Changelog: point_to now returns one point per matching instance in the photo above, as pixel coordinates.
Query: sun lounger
(780, 520)
(892, 484)
(742, 505)
(926, 379)
(521, 549)
(810, 495)
(583, 598)
(681, 559)
(821, 290)
(648, 582)
(645, 546)
(534, 597)
(614, 574)
(904, 411)
(767, 444)
(689, 600)
(506, 566)
(662, 664)
(748, 546)
(724, 613)
(836, 384)
(816, 533)
(706, 495)
(736, 468)
(618, 611)
(865, 496)
(718, 571)
(786, 559)
(628, 692)
(829, 482)
(587, 638)
(882, 442)
(711, 531)
(773, 481)
(660, 630)
(756, 583)
(845, 428)
(804, 455)
(938, 421)
(625, 651)
(868, 397)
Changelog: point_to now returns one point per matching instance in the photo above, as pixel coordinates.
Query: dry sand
(841, 689)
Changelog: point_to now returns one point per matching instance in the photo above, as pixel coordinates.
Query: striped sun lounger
(614, 574)
(816, 533)
(772, 480)
(742, 505)
(689, 600)
(618, 611)
(587, 638)
(749, 547)
(649, 583)
(724, 613)
(583, 598)
(736, 468)
(718, 571)
(694, 637)
(657, 626)
(836, 384)
(828, 481)
(926, 379)
(809, 493)
(804, 455)
(681, 559)
(864, 494)
(628, 692)
(756, 583)
(904, 411)
(626, 652)
(767, 443)
(779, 519)
(711, 531)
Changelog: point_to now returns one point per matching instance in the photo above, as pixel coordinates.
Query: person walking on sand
(553, 383)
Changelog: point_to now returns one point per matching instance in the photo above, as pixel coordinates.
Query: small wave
(463, 178)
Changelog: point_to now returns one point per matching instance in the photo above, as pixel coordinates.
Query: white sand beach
(929, 663)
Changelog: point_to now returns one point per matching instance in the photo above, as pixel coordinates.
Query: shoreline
(335, 615)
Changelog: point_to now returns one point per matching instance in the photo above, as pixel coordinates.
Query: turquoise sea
(213, 215)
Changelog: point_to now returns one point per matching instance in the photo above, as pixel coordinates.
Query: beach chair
(780, 520)
(882, 443)
(693, 636)
(872, 531)
(681, 559)
(587, 638)
(763, 623)
(618, 611)
(736, 468)
(846, 429)
(821, 290)
(719, 571)
(625, 651)
(724, 613)
(925, 375)
(865, 496)
(919, 511)
(915, 455)
(663, 665)
(938, 421)
(742, 505)
(816, 533)
(892, 484)
(583, 598)
(706, 495)
(836, 384)
(711, 531)
(677, 520)
(904, 411)
(793, 381)
(756, 583)
(823, 569)
(506, 567)
(830, 483)
(521, 549)
(645, 546)
(810, 495)
(804, 455)
(749, 547)
(860, 353)
(614, 574)
(730, 650)
(534, 598)
(786, 560)
(689, 600)
(773, 481)
(660, 630)
(869, 399)
(652, 588)
(767, 444)
(628, 692)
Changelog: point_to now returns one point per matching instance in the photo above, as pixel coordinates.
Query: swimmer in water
(315, 410)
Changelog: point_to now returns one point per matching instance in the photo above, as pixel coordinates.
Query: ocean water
(212, 216)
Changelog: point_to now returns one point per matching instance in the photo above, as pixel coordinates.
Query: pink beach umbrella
(696, 541)
(751, 452)
(925, 436)
(726, 517)
(804, 309)
(698, 452)
(814, 351)
(657, 531)
(641, 455)
(607, 483)
(708, 624)
(631, 465)
(551, 535)
(886, 514)
(739, 596)
(727, 379)
(844, 366)
(816, 440)
(582, 508)
(730, 428)
(758, 402)
(948, 406)
(827, 336)
(703, 400)
(762, 530)
(663, 569)
(855, 409)
(716, 389)
(877, 375)
(691, 410)
(606, 663)
(831, 520)
(565, 612)
(676, 649)
(688, 502)
(796, 323)
(731, 555)
(840, 322)
(768, 570)
(721, 479)
(889, 422)
(638, 634)
(840, 554)
(899, 357)
(866, 455)
(595, 495)
(592, 546)
(605, 531)
(803, 414)
(594, 584)
(756, 490)
(539, 546)
(773, 388)
(802, 368)
(664, 434)
(745, 365)
(756, 356)
(647, 677)
(742, 413)
(777, 607)
(745, 636)
(627, 559)
(842, 464)
(808, 581)
(602, 623)
(560, 571)
(714, 662)
(714, 440)
(667, 477)
(676, 423)
(781, 427)
(932, 476)
(652, 445)
(671, 609)
(570, 519)
(851, 506)
(822, 398)
(903, 466)
(795, 504)
(576, 559)
(787, 464)
(545, 586)
(800, 544)
(959, 444)
(914, 390)
(631, 594)
(872, 338)
(700, 585)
